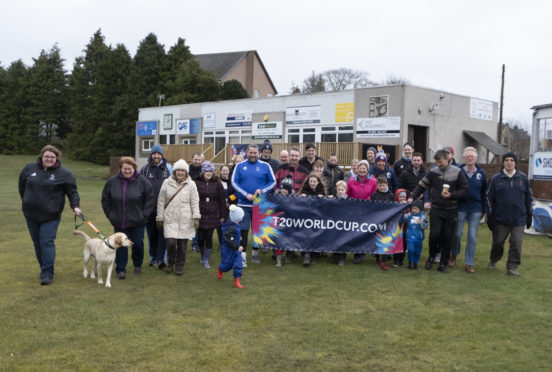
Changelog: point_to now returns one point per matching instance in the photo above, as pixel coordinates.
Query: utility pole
(499, 132)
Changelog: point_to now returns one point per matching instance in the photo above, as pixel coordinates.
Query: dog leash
(96, 230)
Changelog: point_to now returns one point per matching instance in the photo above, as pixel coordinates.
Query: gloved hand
(159, 225)
(529, 221)
(490, 223)
(196, 223)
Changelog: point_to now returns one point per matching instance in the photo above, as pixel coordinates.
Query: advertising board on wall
(238, 119)
(303, 114)
(209, 121)
(146, 128)
(379, 127)
(267, 130)
(480, 109)
(542, 168)
(345, 112)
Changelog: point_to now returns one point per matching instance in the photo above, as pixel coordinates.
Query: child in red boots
(230, 251)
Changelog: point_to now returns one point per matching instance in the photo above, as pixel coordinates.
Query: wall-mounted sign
(146, 128)
(270, 130)
(238, 119)
(303, 114)
(345, 112)
(183, 126)
(480, 109)
(378, 127)
(542, 168)
(194, 125)
(378, 106)
(209, 121)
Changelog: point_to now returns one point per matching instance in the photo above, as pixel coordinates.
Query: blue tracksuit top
(415, 231)
(249, 177)
(477, 198)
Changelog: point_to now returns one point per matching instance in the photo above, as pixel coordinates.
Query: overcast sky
(456, 46)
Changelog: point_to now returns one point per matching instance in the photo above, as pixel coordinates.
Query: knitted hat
(399, 193)
(266, 145)
(381, 156)
(373, 149)
(182, 165)
(418, 204)
(156, 148)
(236, 213)
(207, 166)
(449, 149)
(509, 155)
(287, 183)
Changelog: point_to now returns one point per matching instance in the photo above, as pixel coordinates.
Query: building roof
(493, 146)
(539, 107)
(223, 63)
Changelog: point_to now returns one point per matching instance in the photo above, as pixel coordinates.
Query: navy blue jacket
(509, 200)
(43, 191)
(156, 174)
(389, 174)
(477, 197)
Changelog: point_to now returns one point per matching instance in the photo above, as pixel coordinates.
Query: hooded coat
(178, 217)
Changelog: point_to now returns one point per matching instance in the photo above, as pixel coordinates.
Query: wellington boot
(278, 260)
(237, 283)
(219, 274)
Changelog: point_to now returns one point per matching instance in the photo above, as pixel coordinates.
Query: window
(167, 122)
(342, 133)
(167, 139)
(545, 135)
(147, 144)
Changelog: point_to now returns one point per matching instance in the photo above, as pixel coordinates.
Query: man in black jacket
(195, 166)
(266, 152)
(308, 160)
(446, 184)
(156, 171)
(403, 163)
(333, 173)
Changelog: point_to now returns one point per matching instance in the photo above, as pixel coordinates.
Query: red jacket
(298, 175)
(358, 190)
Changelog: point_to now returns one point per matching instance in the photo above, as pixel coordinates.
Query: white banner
(303, 114)
(542, 168)
(378, 127)
(480, 109)
(267, 130)
(183, 126)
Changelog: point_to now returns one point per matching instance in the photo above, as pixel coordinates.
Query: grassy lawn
(318, 318)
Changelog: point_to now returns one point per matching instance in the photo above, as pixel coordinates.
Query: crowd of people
(174, 204)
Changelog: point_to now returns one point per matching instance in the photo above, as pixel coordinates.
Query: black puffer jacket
(333, 173)
(408, 180)
(43, 191)
(434, 181)
(212, 202)
(128, 202)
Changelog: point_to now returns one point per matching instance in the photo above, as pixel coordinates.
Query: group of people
(182, 202)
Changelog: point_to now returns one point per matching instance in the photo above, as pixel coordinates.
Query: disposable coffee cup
(446, 187)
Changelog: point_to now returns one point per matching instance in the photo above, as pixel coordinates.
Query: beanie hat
(372, 149)
(182, 165)
(236, 213)
(400, 192)
(449, 149)
(509, 155)
(287, 183)
(381, 156)
(365, 162)
(156, 148)
(418, 204)
(310, 146)
(266, 145)
(207, 166)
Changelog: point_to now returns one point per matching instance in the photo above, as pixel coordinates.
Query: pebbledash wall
(386, 115)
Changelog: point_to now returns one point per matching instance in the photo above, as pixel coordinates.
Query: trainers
(341, 262)
(395, 264)
(443, 269)
(161, 266)
(121, 275)
(46, 279)
(411, 266)
(279, 260)
(306, 259)
(195, 248)
(437, 258)
(401, 263)
(491, 265)
(415, 266)
(179, 270)
(206, 264)
(137, 270)
(513, 272)
(256, 260)
(429, 263)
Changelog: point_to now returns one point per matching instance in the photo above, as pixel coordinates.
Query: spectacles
(48, 157)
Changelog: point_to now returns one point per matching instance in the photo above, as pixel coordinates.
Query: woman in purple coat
(212, 207)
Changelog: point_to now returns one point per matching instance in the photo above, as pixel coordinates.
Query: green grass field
(318, 318)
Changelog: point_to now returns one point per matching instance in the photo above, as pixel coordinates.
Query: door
(417, 135)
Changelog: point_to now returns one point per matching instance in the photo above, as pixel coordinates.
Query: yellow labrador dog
(103, 252)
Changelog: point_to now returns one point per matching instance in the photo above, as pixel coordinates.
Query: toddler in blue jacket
(230, 251)
(416, 224)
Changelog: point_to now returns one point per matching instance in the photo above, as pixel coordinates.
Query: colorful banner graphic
(296, 223)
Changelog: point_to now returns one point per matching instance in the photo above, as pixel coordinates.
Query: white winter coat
(178, 217)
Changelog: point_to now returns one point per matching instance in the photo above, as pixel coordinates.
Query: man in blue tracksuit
(251, 177)
(156, 171)
(509, 209)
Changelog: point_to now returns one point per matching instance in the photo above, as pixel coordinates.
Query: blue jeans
(473, 225)
(43, 235)
(136, 234)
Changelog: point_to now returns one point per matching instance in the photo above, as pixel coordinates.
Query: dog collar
(106, 241)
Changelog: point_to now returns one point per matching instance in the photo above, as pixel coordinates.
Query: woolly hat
(156, 148)
(182, 165)
(509, 155)
(381, 156)
(449, 149)
(266, 145)
(373, 149)
(400, 192)
(418, 204)
(287, 183)
(236, 213)
(207, 166)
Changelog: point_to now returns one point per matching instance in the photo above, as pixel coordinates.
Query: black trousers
(442, 225)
